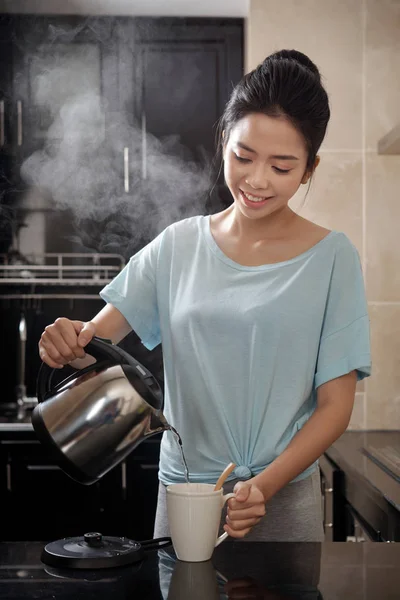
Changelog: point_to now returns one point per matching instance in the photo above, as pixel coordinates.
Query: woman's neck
(271, 227)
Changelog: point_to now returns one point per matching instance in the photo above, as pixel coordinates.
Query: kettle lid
(95, 551)
(92, 551)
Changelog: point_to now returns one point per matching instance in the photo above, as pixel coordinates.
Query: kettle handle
(101, 349)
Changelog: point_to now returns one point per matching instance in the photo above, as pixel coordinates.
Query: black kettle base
(95, 551)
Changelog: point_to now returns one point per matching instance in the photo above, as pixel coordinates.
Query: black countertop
(347, 452)
(359, 454)
(275, 571)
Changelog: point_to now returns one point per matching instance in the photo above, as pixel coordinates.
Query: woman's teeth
(254, 198)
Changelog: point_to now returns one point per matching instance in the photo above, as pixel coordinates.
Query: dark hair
(287, 83)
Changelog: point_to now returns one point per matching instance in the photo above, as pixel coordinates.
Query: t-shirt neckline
(212, 244)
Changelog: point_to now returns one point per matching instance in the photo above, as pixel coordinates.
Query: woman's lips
(252, 203)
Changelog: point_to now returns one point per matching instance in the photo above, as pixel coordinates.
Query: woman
(261, 314)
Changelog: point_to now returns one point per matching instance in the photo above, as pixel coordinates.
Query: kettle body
(95, 417)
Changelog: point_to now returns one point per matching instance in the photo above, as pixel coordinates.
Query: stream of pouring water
(179, 441)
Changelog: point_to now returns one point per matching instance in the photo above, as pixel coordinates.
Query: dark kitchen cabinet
(39, 501)
(60, 103)
(5, 158)
(180, 77)
(63, 75)
(113, 120)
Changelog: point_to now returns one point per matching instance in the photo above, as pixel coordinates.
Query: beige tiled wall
(356, 45)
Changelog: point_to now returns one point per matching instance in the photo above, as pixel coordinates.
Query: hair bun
(296, 56)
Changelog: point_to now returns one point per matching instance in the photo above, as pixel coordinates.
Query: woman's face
(264, 164)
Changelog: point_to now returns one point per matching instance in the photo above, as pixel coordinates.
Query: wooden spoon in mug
(225, 473)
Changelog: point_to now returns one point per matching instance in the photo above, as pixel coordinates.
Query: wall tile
(383, 398)
(383, 218)
(330, 33)
(382, 68)
(335, 197)
(356, 45)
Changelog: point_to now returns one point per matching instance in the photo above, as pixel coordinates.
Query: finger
(242, 491)
(242, 524)
(243, 593)
(86, 333)
(247, 513)
(56, 346)
(48, 360)
(70, 331)
(244, 590)
(234, 504)
(48, 349)
(236, 534)
(235, 584)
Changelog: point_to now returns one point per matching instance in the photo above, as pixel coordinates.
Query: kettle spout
(158, 423)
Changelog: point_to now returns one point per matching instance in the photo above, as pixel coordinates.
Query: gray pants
(294, 514)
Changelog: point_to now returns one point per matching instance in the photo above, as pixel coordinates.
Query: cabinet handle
(123, 475)
(1, 123)
(144, 147)
(126, 169)
(8, 472)
(19, 123)
(43, 468)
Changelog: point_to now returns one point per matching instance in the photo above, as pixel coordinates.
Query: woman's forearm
(325, 425)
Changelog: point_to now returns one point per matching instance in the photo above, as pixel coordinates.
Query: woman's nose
(258, 179)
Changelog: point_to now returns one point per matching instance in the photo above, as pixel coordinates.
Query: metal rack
(57, 270)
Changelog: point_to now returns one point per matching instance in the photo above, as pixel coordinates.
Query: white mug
(194, 514)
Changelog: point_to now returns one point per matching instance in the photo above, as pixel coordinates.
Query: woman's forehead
(263, 133)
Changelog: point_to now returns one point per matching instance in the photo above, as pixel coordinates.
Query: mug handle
(224, 535)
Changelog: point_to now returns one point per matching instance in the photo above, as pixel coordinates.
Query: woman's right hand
(64, 340)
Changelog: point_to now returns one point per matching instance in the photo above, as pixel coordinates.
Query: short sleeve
(134, 293)
(345, 337)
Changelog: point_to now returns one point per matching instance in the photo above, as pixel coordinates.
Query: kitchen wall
(356, 45)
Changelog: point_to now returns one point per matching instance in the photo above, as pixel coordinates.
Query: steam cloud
(81, 163)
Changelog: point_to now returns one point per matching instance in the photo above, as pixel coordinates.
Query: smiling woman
(261, 314)
(265, 159)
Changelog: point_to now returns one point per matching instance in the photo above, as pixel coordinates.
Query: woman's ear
(308, 174)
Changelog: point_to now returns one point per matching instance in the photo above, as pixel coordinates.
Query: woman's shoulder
(186, 227)
(314, 233)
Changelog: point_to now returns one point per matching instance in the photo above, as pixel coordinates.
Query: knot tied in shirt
(242, 472)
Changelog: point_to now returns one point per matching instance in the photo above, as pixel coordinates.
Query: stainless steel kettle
(95, 417)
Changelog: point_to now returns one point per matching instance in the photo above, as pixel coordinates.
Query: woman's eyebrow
(277, 156)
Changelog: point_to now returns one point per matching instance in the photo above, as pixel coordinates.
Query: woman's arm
(111, 324)
(335, 400)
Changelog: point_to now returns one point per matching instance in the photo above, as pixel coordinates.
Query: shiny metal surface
(98, 419)
(126, 169)
(19, 123)
(144, 146)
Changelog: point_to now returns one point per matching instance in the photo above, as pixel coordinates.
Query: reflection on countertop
(275, 571)
(355, 451)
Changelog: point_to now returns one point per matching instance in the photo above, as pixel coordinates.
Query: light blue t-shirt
(244, 348)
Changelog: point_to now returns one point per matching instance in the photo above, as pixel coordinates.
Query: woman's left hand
(245, 510)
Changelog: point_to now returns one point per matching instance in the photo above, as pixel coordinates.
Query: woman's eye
(281, 170)
(241, 159)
